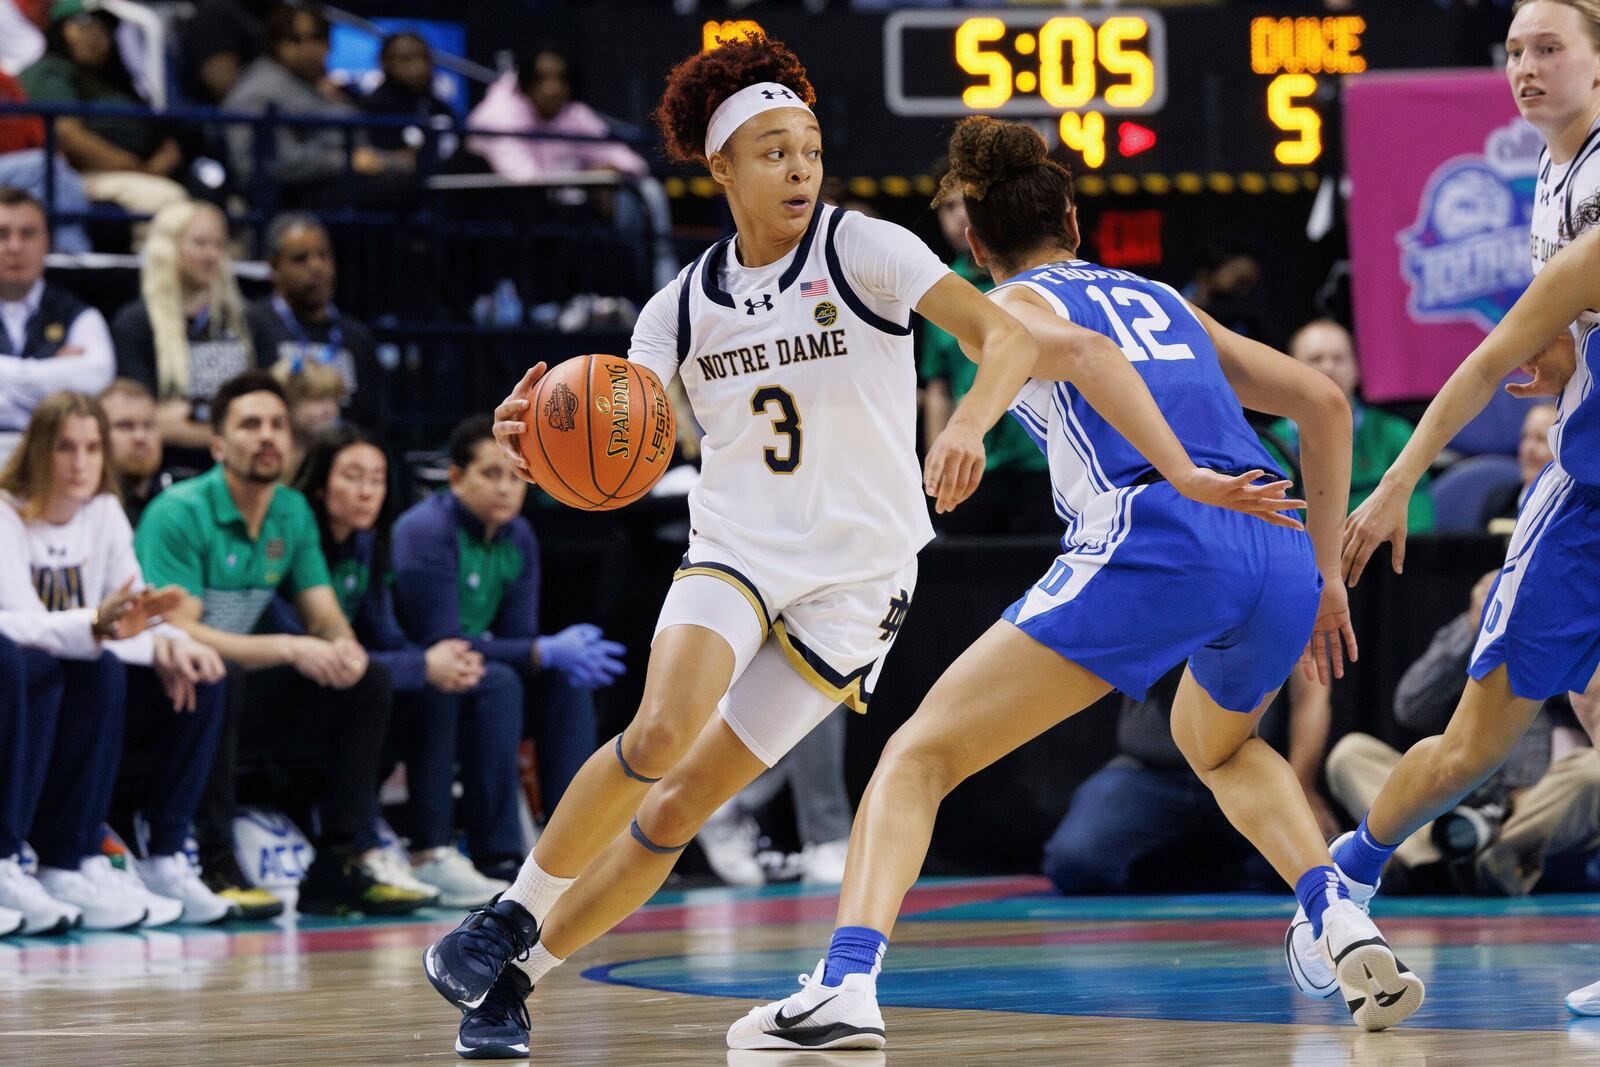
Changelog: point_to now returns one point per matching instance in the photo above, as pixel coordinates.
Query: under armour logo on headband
(771, 95)
(744, 105)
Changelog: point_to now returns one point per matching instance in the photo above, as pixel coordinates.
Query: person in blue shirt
(449, 703)
(466, 565)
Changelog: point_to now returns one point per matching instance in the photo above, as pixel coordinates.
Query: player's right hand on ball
(510, 418)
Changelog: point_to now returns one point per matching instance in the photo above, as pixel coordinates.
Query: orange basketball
(600, 432)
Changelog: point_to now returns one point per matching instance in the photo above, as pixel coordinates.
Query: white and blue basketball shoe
(1585, 1001)
(1310, 972)
(1379, 990)
(844, 1016)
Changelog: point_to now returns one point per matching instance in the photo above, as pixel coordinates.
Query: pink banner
(1442, 175)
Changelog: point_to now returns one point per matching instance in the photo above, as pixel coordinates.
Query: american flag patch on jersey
(816, 288)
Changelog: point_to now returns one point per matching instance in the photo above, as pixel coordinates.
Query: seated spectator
(315, 394)
(449, 703)
(538, 97)
(1327, 347)
(49, 339)
(1533, 455)
(187, 333)
(23, 165)
(234, 538)
(1550, 781)
(299, 324)
(216, 42)
(136, 455)
(129, 162)
(70, 586)
(467, 565)
(407, 89)
(1014, 496)
(1144, 822)
(310, 163)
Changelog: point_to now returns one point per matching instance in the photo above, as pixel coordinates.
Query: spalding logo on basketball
(624, 439)
(560, 407)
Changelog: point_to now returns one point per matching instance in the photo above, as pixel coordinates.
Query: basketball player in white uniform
(793, 342)
(1540, 632)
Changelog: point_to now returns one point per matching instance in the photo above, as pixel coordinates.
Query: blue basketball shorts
(1542, 618)
(1148, 579)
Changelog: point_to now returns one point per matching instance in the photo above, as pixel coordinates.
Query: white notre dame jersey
(1566, 203)
(53, 576)
(802, 375)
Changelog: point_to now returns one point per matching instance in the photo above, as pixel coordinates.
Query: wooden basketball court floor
(980, 972)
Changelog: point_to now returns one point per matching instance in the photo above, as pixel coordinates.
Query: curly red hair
(698, 85)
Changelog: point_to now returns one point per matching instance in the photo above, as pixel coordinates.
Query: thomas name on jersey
(820, 344)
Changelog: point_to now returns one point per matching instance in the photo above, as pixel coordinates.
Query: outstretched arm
(1567, 286)
(1100, 371)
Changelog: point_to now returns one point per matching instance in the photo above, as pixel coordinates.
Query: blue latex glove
(582, 653)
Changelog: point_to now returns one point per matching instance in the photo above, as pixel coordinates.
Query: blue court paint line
(1049, 908)
(1134, 957)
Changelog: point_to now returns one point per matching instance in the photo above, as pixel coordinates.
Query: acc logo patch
(825, 314)
(559, 408)
(55, 332)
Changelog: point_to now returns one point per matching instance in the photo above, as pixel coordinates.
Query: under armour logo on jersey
(773, 94)
(764, 304)
(896, 616)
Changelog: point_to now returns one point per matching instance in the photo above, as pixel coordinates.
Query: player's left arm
(1100, 371)
(1008, 354)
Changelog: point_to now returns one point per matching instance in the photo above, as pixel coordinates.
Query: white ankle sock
(537, 890)
(539, 962)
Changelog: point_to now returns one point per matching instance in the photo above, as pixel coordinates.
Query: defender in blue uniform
(1147, 578)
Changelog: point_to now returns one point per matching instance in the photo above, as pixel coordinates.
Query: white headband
(744, 105)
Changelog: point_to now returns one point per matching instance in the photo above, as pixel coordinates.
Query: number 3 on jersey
(786, 423)
(1153, 321)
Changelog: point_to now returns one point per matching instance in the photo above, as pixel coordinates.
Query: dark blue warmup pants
(177, 747)
(481, 729)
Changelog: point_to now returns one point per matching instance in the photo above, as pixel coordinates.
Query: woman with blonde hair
(186, 334)
(71, 587)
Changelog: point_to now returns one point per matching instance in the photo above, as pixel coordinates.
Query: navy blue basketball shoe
(463, 964)
(498, 1028)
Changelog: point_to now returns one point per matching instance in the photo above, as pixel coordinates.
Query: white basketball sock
(537, 890)
(538, 964)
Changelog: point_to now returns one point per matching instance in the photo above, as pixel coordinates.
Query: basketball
(600, 432)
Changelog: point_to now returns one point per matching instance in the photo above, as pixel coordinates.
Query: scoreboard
(1191, 93)
(1108, 80)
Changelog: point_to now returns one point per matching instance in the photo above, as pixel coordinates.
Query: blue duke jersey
(1172, 352)
(1147, 579)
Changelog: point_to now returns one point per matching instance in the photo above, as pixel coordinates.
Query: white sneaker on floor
(176, 878)
(824, 864)
(1585, 1001)
(159, 910)
(1379, 990)
(11, 921)
(458, 882)
(394, 868)
(106, 905)
(817, 1017)
(1307, 969)
(729, 840)
(41, 912)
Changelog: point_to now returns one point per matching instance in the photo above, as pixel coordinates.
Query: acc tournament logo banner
(1467, 256)
(1442, 172)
